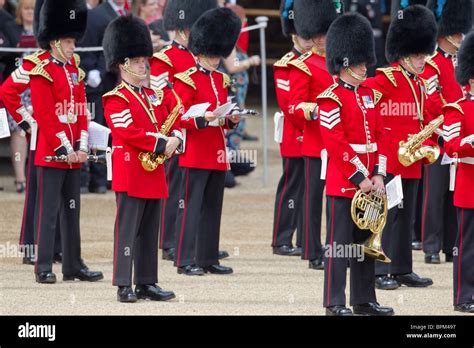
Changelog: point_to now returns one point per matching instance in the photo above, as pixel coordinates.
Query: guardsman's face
(138, 65)
(360, 69)
(458, 38)
(68, 45)
(418, 61)
(305, 44)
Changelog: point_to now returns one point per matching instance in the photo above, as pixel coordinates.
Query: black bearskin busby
(399, 5)
(349, 41)
(286, 16)
(182, 14)
(465, 67)
(215, 33)
(453, 16)
(126, 37)
(313, 17)
(38, 4)
(413, 31)
(60, 19)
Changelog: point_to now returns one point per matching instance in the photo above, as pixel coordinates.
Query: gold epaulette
(299, 63)
(283, 62)
(389, 74)
(226, 79)
(162, 56)
(431, 62)
(38, 70)
(77, 59)
(82, 74)
(186, 77)
(377, 96)
(455, 105)
(329, 94)
(116, 91)
(34, 57)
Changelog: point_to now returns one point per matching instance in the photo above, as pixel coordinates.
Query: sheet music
(34, 136)
(394, 191)
(4, 129)
(196, 111)
(98, 136)
(278, 132)
(224, 109)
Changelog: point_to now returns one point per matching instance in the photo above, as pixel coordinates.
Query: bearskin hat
(465, 67)
(126, 37)
(413, 31)
(453, 16)
(182, 14)
(60, 19)
(350, 41)
(313, 17)
(215, 33)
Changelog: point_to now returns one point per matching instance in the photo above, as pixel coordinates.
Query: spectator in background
(145, 9)
(5, 18)
(159, 36)
(20, 34)
(91, 4)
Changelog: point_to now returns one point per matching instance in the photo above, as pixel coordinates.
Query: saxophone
(413, 149)
(150, 160)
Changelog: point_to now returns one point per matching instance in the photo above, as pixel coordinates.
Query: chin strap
(183, 36)
(356, 76)
(126, 68)
(57, 44)
(449, 38)
(411, 67)
(297, 44)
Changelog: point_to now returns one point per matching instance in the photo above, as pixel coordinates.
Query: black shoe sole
(164, 298)
(430, 262)
(374, 314)
(46, 282)
(190, 274)
(414, 285)
(127, 300)
(72, 278)
(220, 273)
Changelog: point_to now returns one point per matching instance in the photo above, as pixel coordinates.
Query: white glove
(93, 78)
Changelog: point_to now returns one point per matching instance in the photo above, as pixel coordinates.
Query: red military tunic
(171, 60)
(458, 131)
(135, 129)
(205, 144)
(17, 83)
(290, 145)
(59, 103)
(402, 107)
(353, 132)
(441, 86)
(308, 78)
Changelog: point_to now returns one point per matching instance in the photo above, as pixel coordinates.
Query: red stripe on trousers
(28, 178)
(424, 206)
(277, 222)
(163, 209)
(306, 232)
(330, 246)
(116, 236)
(460, 255)
(40, 212)
(178, 258)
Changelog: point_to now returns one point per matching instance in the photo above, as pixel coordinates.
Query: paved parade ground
(262, 283)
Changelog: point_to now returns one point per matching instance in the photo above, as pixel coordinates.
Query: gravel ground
(262, 283)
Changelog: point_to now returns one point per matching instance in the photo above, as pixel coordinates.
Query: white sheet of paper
(196, 111)
(4, 129)
(394, 192)
(224, 109)
(34, 136)
(98, 136)
(446, 160)
(278, 130)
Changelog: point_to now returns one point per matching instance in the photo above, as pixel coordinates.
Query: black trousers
(136, 240)
(464, 258)
(58, 187)
(288, 203)
(312, 209)
(419, 208)
(27, 234)
(341, 231)
(398, 232)
(199, 217)
(439, 227)
(169, 207)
